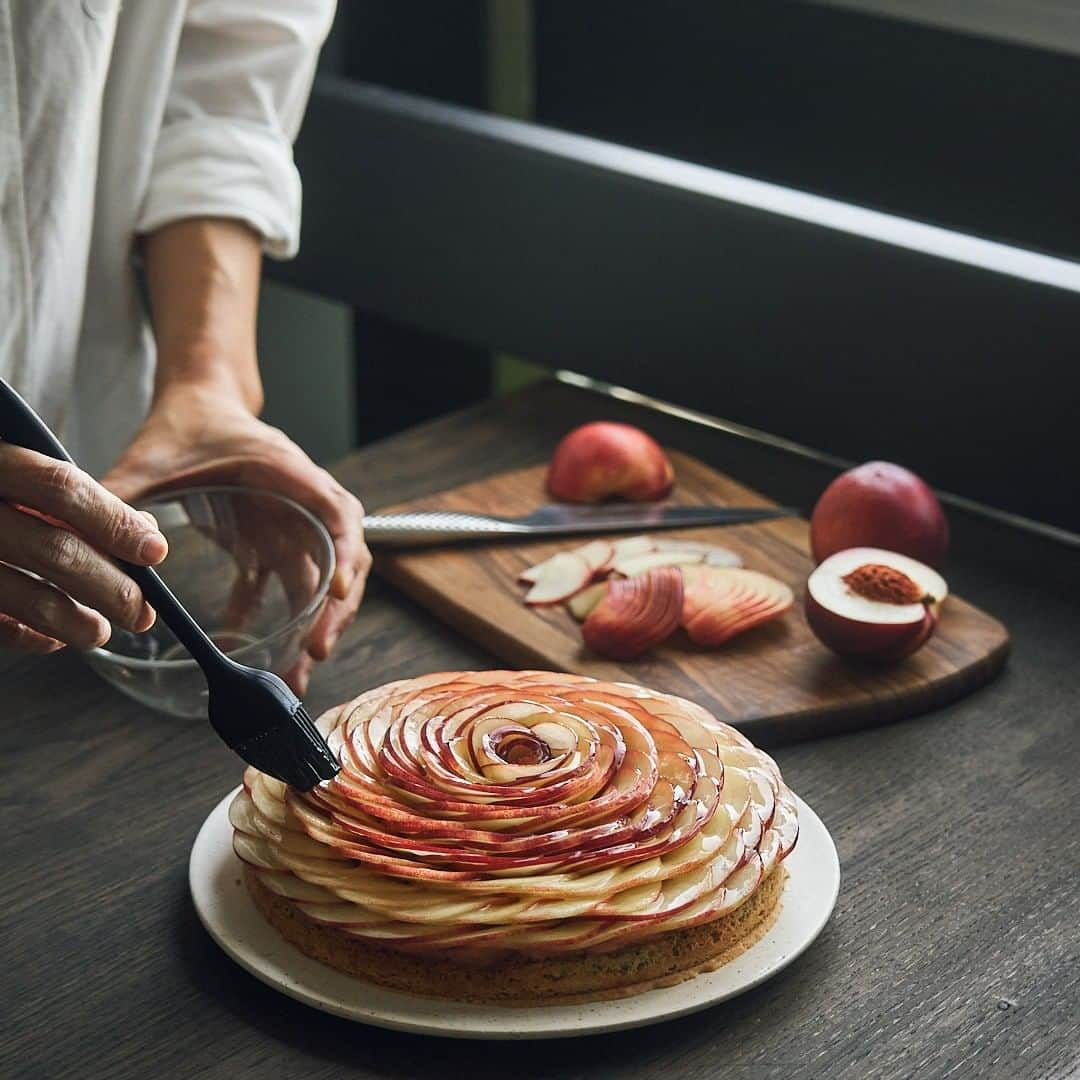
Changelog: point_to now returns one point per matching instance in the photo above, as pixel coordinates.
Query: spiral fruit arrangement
(572, 838)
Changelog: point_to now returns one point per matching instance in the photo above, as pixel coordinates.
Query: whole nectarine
(880, 505)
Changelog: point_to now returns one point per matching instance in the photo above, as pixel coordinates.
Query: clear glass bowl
(251, 566)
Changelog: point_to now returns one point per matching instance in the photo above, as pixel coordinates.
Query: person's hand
(202, 436)
(58, 527)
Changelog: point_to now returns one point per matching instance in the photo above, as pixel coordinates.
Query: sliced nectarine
(636, 614)
(597, 553)
(653, 560)
(720, 602)
(582, 603)
(531, 574)
(711, 554)
(874, 604)
(626, 546)
(559, 578)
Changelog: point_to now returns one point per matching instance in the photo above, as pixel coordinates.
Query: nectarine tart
(521, 838)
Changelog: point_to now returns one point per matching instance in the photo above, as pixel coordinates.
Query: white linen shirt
(115, 119)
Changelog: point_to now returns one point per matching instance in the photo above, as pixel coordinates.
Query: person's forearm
(203, 275)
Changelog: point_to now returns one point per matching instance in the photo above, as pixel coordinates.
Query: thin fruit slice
(653, 560)
(561, 576)
(582, 603)
(734, 613)
(672, 543)
(709, 612)
(636, 614)
(712, 554)
(719, 600)
(720, 556)
(719, 603)
(531, 574)
(711, 635)
(633, 545)
(713, 627)
(597, 553)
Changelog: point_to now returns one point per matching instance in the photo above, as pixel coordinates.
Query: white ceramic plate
(228, 913)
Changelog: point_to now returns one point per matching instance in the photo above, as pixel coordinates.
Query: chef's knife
(423, 528)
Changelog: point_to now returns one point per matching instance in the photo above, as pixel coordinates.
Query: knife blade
(422, 528)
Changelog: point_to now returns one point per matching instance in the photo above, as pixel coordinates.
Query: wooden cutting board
(775, 682)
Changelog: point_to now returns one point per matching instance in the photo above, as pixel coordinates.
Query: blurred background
(960, 115)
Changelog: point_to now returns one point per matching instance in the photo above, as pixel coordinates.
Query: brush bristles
(319, 759)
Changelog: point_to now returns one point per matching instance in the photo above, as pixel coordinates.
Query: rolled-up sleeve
(242, 79)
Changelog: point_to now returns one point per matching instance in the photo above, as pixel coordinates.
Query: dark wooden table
(954, 949)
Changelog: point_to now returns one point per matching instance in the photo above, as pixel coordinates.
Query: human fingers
(64, 492)
(299, 675)
(69, 562)
(288, 470)
(17, 635)
(52, 614)
(336, 616)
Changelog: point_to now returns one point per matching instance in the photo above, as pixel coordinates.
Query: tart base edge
(664, 960)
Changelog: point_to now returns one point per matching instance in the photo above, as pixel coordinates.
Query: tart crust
(663, 960)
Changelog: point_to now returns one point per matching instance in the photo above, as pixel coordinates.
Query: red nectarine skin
(718, 604)
(605, 460)
(873, 603)
(867, 641)
(560, 577)
(715, 626)
(881, 505)
(636, 614)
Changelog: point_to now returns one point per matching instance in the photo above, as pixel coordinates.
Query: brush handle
(175, 616)
(21, 426)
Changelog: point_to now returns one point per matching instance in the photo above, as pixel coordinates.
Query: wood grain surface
(776, 682)
(953, 950)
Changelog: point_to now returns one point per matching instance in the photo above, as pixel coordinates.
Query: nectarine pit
(884, 584)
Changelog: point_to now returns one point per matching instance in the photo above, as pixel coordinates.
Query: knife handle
(424, 527)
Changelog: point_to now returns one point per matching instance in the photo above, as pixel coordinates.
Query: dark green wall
(945, 127)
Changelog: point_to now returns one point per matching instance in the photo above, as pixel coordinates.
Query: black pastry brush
(255, 713)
